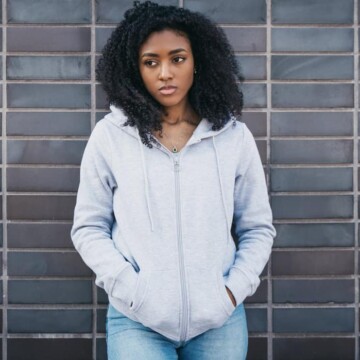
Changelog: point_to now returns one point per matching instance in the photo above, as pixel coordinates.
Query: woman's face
(166, 66)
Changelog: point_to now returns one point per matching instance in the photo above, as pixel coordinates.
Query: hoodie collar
(202, 131)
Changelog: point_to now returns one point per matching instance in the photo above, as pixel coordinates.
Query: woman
(172, 212)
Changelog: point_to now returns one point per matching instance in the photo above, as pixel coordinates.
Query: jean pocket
(156, 302)
(208, 308)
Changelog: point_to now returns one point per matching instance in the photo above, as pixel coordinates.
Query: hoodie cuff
(125, 285)
(240, 285)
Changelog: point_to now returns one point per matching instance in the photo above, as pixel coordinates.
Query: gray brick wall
(300, 60)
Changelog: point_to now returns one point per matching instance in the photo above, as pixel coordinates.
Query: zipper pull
(176, 164)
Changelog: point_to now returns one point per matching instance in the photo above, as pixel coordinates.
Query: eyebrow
(170, 53)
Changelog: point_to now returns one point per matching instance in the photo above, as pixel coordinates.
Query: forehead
(165, 40)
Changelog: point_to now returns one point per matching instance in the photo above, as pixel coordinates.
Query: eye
(179, 59)
(150, 63)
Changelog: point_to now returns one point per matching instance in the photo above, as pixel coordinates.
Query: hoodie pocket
(156, 300)
(210, 305)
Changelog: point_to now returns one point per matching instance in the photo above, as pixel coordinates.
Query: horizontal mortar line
(53, 278)
(307, 220)
(49, 336)
(311, 193)
(42, 221)
(49, 53)
(314, 221)
(43, 250)
(313, 335)
(35, 249)
(40, 166)
(314, 306)
(26, 110)
(315, 110)
(314, 277)
(241, 26)
(314, 137)
(314, 249)
(44, 306)
(303, 166)
(313, 165)
(47, 137)
(41, 193)
(311, 81)
(48, 82)
(255, 305)
(311, 52)
(312, 26)
(324, 109)
(14, 109)
(47, 25)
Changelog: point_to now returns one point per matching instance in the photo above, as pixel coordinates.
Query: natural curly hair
(215, 93)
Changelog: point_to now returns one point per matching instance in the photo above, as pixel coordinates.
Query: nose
(165, 72)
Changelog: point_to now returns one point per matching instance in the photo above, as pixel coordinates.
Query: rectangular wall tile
(312, 39)
(46, 264)
(252, 67)
(50, 292)
(256, 122)
(312, 179)
(313, 320)
(312, 96)
(254, 95)
(48, 123)
(33, 235)
(257, 348)
(312, 12)
(312, 124)
(313, 291)
(231, 11)
(256, 320)
(44, 207)
(314, 235)
(48, 39)
(49, 96)
(312, 67)
(313, 262)
(111, 11)
(329, 348)
(312, 206)
(49, 321)
(55, 349)
(311, 151)
(41, 11)
(246, 39)
(48, 67)
(45, 151)
(43, 179)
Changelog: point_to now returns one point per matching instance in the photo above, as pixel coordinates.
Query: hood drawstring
(146, 183)
(221, 188)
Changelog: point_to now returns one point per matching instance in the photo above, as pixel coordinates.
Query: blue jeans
(130, 340)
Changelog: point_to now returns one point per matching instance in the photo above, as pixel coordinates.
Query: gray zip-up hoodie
(156, 226)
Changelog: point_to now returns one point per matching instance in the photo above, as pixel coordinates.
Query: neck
(182, 113)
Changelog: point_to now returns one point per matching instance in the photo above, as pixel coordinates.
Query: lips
(167, 90)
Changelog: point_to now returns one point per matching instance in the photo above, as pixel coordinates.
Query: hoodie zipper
(183, 323)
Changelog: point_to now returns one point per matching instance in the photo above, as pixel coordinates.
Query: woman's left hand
(233, 300)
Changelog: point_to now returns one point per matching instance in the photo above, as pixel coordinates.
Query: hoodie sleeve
(252, 222)
(94, 217)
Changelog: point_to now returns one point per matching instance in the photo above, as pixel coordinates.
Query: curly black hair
(215, 93)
